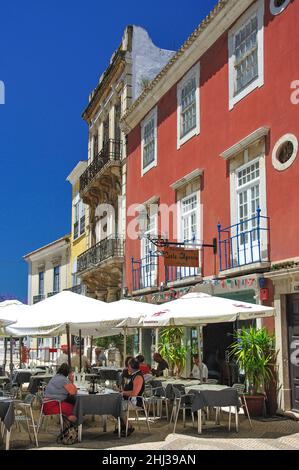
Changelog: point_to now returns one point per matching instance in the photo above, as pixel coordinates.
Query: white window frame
(234, 193)
(199, 227)
(152, 115)
(277, 10)
(258, 8)
(195, 71)
(79, 206)
(153, 273)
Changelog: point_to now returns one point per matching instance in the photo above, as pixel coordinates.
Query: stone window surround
(259, 81)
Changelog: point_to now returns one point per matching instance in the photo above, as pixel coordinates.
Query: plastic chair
(137, 409)
(182, 401)
(24, 412)
(243, 404)
(42, 415)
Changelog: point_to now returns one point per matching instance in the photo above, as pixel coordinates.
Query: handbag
(69, 435)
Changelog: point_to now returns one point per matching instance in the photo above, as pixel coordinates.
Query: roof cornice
(49, 248)
(77, 172)
(218, 21)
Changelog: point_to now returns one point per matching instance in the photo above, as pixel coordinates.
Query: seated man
(200, 370)
(162, 365)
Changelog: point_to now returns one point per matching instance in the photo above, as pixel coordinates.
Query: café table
(212, 395)
(7, 417)
(21, 376)
(104, 403)
(36, 380)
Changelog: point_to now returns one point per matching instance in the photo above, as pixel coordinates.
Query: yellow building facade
(79, 224)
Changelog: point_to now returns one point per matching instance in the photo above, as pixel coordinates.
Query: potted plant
(171, 348)
(253, 351)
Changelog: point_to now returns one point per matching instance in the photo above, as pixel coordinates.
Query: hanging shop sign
(180, 257)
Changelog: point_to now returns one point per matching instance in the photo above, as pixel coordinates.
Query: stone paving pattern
(273, 434)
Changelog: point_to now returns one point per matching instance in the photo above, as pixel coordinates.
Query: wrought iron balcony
(144, 272)
(111, 152)
(38, 298)
(78, 289)
(50, 294)
(244, 243)
(105, 249)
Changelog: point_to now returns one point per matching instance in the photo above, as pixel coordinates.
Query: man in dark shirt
(162, 365)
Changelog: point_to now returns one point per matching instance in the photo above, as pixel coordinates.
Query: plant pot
(255, 404)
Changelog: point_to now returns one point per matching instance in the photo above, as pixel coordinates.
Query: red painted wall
(269, 105)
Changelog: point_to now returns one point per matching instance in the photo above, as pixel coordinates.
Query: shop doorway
(293, 336)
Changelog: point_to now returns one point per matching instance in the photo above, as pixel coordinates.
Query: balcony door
(247, 243)
(189, 230)
(148, 277)
(293, 333)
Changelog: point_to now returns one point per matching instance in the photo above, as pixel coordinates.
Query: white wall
(147, 59)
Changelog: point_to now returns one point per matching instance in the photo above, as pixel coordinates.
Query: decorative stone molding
(277, 7)
(278, 165)
(56, 261)
(243, 144)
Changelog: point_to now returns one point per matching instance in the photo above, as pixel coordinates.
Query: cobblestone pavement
(272, 434)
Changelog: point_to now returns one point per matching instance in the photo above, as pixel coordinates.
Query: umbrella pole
(140, 340)
(20, 353)
(5, 354)
(156, 339)
(199, 332)
(80, 350)
(11, 359)
(68, 340)
(125, 344)
(90, 354)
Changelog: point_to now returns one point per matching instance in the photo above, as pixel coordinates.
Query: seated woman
(132, 392)
(143, 366)
(125, 373)
(61, 387)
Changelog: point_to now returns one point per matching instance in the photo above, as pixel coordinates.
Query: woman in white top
(200, 370)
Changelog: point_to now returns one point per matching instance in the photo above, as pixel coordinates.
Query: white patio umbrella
(197, 309)
(10, 312)
(50, 317)
(126, 311)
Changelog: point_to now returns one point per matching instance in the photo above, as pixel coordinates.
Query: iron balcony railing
(103, 250)
(244, 243)
(111, 151)
(50, 294)
(78, 289)
(144, 272)
(38, 298)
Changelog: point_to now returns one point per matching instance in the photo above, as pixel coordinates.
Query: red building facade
(215, 137)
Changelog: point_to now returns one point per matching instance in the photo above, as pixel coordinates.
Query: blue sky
(52, 53)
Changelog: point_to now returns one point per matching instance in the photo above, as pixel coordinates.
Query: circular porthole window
(277, 6)
(285, 152)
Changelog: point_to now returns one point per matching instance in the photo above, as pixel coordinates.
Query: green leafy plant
(255, 353)
(171, 347)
